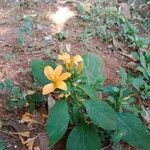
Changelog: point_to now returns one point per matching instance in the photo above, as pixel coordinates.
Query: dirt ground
(48, 18)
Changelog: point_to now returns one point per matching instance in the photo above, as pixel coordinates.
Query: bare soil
(43, 26)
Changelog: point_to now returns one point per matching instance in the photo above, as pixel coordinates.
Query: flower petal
(49, 72)
(48, 88)
(65, 57)
(61, 85)
(65, 76)
(77, 59)
(57, 72)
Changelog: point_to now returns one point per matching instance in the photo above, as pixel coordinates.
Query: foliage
(76, 87)
(27, 3)
(84, 133)
(122, 97)
(58, 121)
(19, 98)
(24, 30)
(107, 22)
(16, 96)
(133, 130)
(37, 68)
(35, 100)
(61, 36)
(9, 57)
(2, 145)
(143, 75)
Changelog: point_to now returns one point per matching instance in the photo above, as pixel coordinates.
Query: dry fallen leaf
(30, 92)
(51, 102)
(44, 118)
(0, 124)
(27, 117)
(37, 148)
(29, 143)
(68, 47)
(22, 139)
(23, 134)
(117, 44)
(87, 6)
(146, 116)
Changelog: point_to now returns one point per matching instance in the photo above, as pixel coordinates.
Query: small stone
(48, 39)
(41, 27)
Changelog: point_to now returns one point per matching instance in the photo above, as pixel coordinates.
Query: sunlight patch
(60, 17)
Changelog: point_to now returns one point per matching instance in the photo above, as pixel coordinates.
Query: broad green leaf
(83, 137)
(137, 82)
(101, 114)
(133, 130)
(90, 91)
(38, 71)
(110, 89)
(93, 70)
(143, 71)
(123, 76)
(142, 60)
(135, 55)
(58, 120)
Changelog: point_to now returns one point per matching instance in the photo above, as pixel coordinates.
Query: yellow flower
(57, 78)
(70, 61)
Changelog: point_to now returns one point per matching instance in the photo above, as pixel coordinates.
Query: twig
(8, 133)
(106, 147)
(40, 134)
(126, 55)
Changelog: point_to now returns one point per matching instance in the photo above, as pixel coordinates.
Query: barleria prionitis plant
(76, 83)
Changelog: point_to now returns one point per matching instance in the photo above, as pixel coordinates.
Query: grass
(108, 22)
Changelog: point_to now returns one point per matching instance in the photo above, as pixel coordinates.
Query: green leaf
(83, 137)
(137, 82)
(28, 24)
(58, 120)
(90, 91)
(93, 70)
(2, 145)
(142, 60)
(35, 100)
(8, 84)
(38, 71)
(21, 36)
(135, 55)
(143, 71)
(123, 76)
(101, 114)
(133, 130)
(110, 89)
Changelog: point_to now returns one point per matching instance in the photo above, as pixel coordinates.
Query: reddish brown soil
(18, 69)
